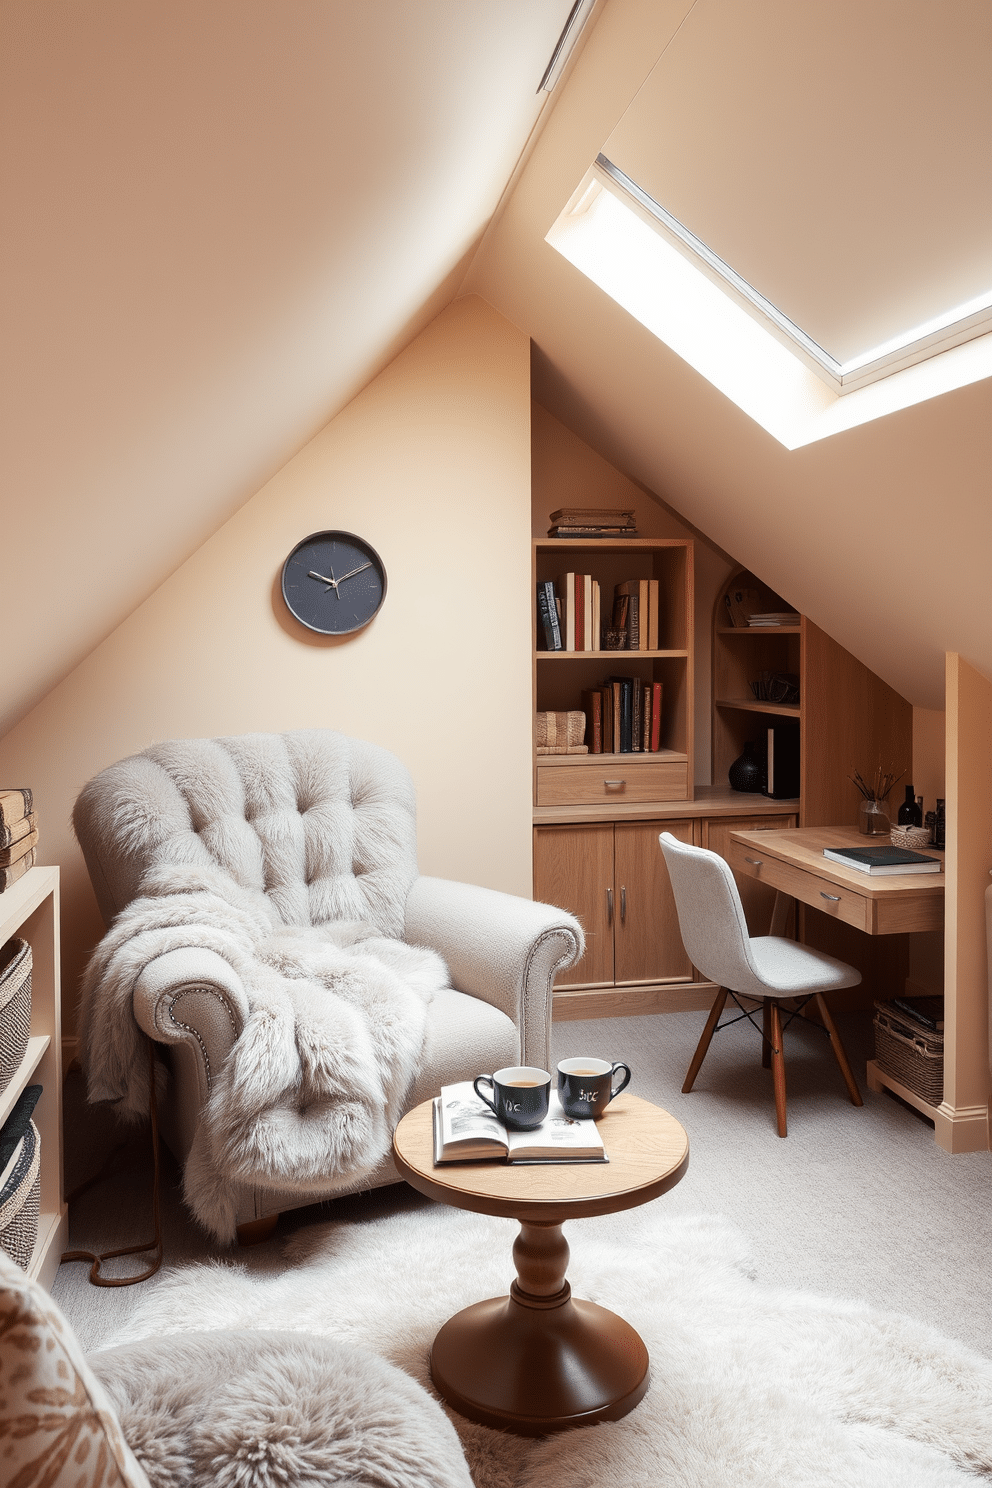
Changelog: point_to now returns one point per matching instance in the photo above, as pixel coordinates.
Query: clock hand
(361, 567)
(331, 583)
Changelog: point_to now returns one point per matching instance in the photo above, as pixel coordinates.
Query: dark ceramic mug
(520, 1095)
(585, 1086)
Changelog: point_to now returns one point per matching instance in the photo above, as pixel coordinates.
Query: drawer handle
(755, 862)
(614, 784)
(609, 906)
(834, 897)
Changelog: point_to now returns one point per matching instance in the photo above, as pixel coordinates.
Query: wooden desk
(793, 863)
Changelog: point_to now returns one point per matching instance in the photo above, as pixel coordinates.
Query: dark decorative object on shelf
(746, 773)
(776, 687)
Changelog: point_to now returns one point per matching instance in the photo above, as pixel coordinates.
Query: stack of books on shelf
(18, 834)
(569, 614)
(592, 521)
(771, 618)
(623, 716)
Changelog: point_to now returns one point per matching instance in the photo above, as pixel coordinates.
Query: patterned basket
(15, 1007)
(914, 838)
(910, 1052)
(20, 1201)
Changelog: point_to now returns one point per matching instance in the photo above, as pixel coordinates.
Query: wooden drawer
(834, 899)
(630, 779)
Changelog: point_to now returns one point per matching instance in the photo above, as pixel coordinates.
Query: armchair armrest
(192, 996)
(502, 949)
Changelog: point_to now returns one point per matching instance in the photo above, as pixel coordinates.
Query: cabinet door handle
(755, 862)
(614, 784)
(834, 897)
(609, 906)
(623, 905)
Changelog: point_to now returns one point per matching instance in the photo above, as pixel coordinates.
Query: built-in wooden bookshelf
(30, 909)
(560, 677)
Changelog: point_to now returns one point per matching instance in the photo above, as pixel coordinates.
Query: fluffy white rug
(752, 1386)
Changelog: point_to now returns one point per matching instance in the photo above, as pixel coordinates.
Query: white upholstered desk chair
(766, 968)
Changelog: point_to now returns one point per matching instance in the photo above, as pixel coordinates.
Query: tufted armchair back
(322, 825)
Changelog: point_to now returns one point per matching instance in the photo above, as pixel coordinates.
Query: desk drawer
(628, 779)
(834, 899)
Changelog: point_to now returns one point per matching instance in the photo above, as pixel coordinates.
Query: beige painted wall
(430, 463)
(567, 471)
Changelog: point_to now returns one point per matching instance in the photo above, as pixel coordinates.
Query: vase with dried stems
(873, 819)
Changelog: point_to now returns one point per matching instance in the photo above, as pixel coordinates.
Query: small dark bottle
(910, 814)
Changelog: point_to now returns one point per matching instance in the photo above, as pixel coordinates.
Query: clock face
(333, 582)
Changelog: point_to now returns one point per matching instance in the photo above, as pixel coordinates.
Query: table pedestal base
(538, 1360)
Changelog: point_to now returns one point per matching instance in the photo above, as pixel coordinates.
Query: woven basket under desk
(20, 1201)
(15, 1007)
(909, 1052)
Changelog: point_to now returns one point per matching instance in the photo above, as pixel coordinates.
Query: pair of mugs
(520, 1096)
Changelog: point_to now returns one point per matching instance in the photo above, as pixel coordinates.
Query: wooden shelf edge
(879, 1079)
(33, 1055)
(53, 1237)
(743, 705)
(676, 655)
(21, 900)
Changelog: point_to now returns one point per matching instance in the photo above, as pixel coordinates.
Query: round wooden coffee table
(540, 1360)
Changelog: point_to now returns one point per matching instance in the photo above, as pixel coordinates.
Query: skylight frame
(917, 344)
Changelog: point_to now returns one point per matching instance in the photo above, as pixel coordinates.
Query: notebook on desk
(879, 860)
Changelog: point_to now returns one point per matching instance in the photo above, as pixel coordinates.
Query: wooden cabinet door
(646, 926)
(757, 898)
(573, 869)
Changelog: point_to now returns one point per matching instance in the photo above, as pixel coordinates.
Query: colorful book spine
(656, 691)
(548, 629)
(592, 706)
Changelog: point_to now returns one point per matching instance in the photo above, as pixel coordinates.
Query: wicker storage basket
(15, 1007)
(20, 1201)
(910, 1052)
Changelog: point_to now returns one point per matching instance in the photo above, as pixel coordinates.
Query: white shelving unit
(30, 909)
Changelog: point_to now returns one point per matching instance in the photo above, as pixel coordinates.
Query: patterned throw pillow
(57, 1426)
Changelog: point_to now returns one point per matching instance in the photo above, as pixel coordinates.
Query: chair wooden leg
(257, 1231)
(704, 1042)
(778, 1065)
(838, 1048)
(766, 1030)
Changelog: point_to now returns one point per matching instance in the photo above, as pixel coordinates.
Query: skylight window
(653, 266)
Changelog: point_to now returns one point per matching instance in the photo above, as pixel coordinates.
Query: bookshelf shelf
(618, 656)
(751, 705)
(758, 630)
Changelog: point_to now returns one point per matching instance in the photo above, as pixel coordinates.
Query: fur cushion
(276, 1410)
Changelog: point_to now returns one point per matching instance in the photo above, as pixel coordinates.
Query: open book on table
(466, 1130)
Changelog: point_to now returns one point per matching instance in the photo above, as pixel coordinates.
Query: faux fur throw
(315, 1081)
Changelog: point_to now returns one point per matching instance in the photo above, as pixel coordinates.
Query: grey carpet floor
(856, 1203)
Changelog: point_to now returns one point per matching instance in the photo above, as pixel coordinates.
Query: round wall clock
(333, 582)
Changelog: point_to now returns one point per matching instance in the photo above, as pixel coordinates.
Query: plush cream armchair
(312, 830)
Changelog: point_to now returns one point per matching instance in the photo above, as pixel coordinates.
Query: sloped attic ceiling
(219, 219)
(883, 533)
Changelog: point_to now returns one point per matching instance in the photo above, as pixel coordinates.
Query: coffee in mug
(519, 1095)
(586, 1086)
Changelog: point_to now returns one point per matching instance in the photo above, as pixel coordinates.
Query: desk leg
(780, 912)
(539, 1360)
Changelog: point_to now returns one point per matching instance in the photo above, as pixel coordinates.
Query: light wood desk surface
(793, 863)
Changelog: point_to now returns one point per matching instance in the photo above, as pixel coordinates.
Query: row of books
(623, 716)
(18, 834)
(592, 521)
(570, 618)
